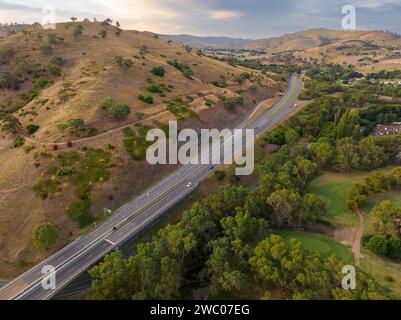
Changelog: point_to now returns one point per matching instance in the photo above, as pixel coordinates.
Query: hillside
(76, 103)
(10, 29)
(208, 42)
(322, 37)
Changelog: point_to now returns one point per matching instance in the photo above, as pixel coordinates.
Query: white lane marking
(107, 240)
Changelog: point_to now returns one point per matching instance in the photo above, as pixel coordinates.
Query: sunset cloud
(237, 18)
(223, 15)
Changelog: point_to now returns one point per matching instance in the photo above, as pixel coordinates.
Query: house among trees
(388, 129)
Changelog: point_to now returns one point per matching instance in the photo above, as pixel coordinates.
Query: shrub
(123, 63)
(185, 69)
(46, 48)
(153, 88)
(8, 81)
(46, 188)
(120, 111)
(6, 54)
(140, 115)
(159, 71)
(18, 142)
(180, 109)
(32, 128)
(69, 158)
(44, 236)
(78, 212)
(220, 175)
(135, 142)
(148, 99)
(231, 103)
(115, 110)
(103, 33)
(59, 61)
(55, 71)
(71, 123)
(78, 30)
(41, 83)
(378, 244)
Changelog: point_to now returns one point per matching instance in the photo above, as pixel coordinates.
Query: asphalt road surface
(135, 216)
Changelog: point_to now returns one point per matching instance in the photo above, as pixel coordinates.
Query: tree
(347, 156)
(291, 136)
(304, 171)
(358, 197)
(348, 122)
(59, 61)
(123, 63)
(103, 33)
(107, 22)
(118, 111)
(378, 244)
(277, 262)
(73, 19)
(225, 201)
(372, 156)
(32, 128)
(323, 151)
(150, 274)
(45, 236)
(78, 30)
(118, 25)
(313, 207)
(159, 71)
(285, 204)
(385, 217)
(228, 263)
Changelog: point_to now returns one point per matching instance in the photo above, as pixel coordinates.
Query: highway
(135, 216)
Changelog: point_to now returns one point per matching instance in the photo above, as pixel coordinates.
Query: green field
(380, 268)
(335, 188)
(316, 242)
(393, 196)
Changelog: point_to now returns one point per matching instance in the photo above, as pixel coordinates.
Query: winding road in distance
(135, 216)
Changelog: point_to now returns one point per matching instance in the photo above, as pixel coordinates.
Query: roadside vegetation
(251, 233)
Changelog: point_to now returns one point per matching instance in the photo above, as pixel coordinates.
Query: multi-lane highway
(133, 217)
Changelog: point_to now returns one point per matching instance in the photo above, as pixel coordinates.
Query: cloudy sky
(235, 18)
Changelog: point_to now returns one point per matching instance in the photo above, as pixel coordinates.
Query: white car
(189, 185)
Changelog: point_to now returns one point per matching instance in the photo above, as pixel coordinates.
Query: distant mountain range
(208, 42)
(294, 41)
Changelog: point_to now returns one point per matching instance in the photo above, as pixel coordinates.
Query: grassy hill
(322, 37)
(75, 106)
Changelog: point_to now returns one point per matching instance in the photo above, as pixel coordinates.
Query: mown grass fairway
(335, 188)
(316, 242)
